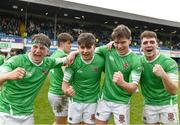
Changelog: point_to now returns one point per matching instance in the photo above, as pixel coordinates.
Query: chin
(86, 59)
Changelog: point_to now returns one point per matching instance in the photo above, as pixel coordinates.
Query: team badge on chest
(125, 65)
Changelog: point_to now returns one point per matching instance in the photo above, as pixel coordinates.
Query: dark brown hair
(86, 39)
(121, 31)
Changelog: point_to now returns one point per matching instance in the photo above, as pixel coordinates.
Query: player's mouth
(149, 50)
(37, 55)
(85, 55)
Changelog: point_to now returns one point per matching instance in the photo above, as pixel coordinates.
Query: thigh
(59, 105)
(121, 113)
(3, 119)
(170, 115)
(6, 119)
(151, 114)
(89, 113)
(103, 111)
(28, 120)
(74, 113)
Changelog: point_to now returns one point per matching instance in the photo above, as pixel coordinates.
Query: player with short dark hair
(159, 83)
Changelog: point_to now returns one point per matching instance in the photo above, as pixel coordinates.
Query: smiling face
(87, 52)
(86, 45)
(149, 47)
(39, 49)
(122, 45)
(38, 52)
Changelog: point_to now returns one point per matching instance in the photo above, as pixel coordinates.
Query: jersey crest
(95, 69)
(125, 65)
(44, 72)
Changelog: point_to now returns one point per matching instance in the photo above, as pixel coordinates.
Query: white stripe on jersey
(4, 69)
(67, 76)
(61, 60)
(173, 76)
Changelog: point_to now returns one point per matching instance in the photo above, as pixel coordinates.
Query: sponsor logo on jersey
(79, 71)
(28, 74)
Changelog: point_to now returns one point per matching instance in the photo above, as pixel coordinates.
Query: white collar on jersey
(60, 50)
(153, 59)
(87, 62)
(33, 62)
(125, 54)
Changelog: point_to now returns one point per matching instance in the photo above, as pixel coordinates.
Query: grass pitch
(44, 115)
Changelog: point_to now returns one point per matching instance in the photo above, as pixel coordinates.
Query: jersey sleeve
(171, 68)
(57, 55)
(68, 73)
(57, 62)
(102, 50)
(11, 64)
(136, 71)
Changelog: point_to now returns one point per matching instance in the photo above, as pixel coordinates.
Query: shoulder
(58, 53)
(17, 58)
(167, 61)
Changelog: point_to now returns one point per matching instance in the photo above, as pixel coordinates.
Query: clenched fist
(118, 78)
(158, 70)
(70, 91)
(18, 73)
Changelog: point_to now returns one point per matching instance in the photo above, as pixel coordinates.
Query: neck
(150, 58)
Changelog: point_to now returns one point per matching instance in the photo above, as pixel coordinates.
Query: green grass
(44, 115)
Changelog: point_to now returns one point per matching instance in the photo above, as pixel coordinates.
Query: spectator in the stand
(13, 52)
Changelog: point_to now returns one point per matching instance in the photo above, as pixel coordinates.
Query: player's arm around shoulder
(102, 50)
(66, 87)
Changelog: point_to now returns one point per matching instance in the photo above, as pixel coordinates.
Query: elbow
(174, 92)
(134, 89)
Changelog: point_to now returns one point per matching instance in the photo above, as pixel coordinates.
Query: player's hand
(18, 73)
(110, 45)
(72, 56)
(118, 78)
(158, 70)
(70, 91)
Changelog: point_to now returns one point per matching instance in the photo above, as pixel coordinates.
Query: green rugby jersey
(152, 86)
(1, 59)
(56, 75)
(129, 65)
(85, 78)
(17, 96)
